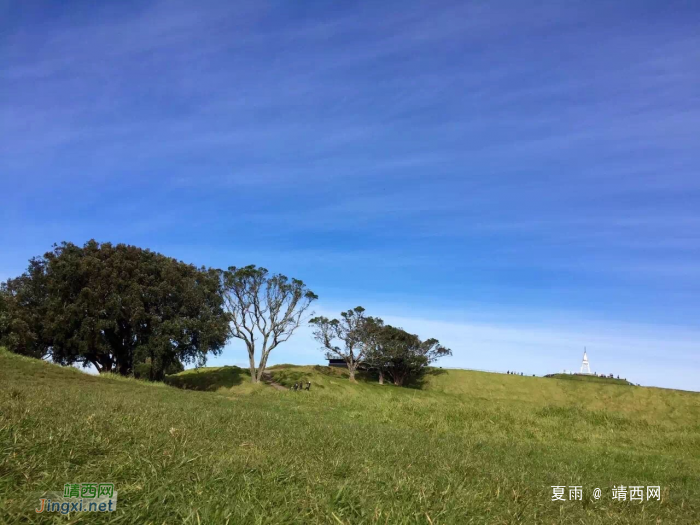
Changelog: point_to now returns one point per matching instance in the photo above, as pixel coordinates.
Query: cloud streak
(451, 152)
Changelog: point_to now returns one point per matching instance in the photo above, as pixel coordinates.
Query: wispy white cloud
(462, 150)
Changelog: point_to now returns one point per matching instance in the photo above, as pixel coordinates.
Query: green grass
(209, 379)
(589, 378)
(467, 447)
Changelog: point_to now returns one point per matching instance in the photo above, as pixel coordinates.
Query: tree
(353, 331)
(114, 306)
(402, 355)
(23, 303)
(154, 371)
(263, 308)
(4, 313)
(374, 356)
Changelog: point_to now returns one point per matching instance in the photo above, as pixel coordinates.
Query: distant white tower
(585, 368)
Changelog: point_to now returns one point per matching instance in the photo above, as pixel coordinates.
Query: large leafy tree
(264, 310)
(401, 355)
(4, 313)
(116, 305)
(23, 303)
(348, 338)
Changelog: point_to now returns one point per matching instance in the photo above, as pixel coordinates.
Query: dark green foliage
(4, 313)
(155, 372)
(400, 355)
(114, 306)
(23, 312)
(174, 368)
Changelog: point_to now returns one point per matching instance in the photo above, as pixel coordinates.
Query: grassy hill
(590, 378)
(467, 447)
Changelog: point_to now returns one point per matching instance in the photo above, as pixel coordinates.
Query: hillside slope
(468, 448)
(495, 391)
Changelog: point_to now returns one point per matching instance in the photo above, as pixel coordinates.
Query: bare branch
(269, 307)
(352, 330)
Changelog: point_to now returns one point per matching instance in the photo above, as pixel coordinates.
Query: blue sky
(519, 180)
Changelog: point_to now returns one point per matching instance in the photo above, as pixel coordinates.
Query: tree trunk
(398, 377)
(251, 364)
(124, 369)
(352, 373)
(381, 377)
(263, 365)
(105, 365)
(150, 368)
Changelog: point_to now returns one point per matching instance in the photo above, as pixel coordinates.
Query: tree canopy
(401, 355)
(133, 311)
(23, 320)
(347, 338)
(263, 308)
(113, 306)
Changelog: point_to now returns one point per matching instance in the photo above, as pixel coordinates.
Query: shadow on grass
(417, 382)
(227, 377)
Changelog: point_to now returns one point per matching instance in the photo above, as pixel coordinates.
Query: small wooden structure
(340, 363)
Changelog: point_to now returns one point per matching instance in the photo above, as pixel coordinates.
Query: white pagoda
(585, 367)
